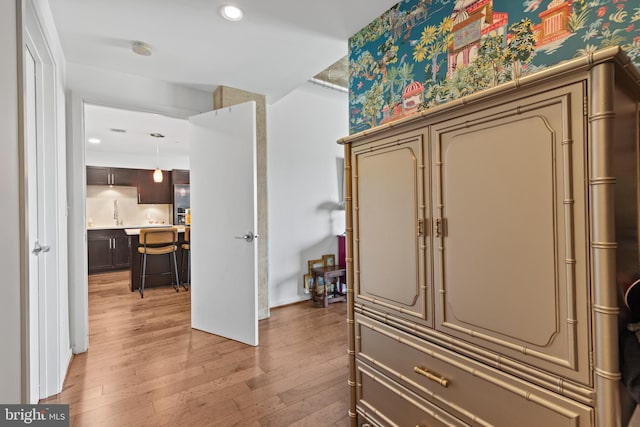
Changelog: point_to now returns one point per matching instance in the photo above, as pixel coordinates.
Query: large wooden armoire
(488, 240)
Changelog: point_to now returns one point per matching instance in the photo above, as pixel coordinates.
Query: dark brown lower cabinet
(107, 250)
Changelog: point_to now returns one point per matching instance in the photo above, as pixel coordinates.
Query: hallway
(147, 367)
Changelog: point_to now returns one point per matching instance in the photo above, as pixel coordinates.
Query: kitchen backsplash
(100, 207)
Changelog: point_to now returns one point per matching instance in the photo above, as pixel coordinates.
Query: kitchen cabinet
(179, 176)
(107, 250)
(97, 175)
(484, 242)
(120, 251)
(150, 192)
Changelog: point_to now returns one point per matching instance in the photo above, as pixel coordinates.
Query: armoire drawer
(473, 392)
(384, 402)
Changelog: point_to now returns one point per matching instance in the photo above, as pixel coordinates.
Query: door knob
(249, 237)
(37, 248)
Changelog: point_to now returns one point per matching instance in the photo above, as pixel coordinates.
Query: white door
(35, 227)
(224, 282)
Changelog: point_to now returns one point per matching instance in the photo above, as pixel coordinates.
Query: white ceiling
(279, 45)
(100, 122)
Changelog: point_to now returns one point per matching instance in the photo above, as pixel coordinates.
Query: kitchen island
(155, 264)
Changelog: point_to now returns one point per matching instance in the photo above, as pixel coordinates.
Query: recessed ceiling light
(231, 13)
(141, 48)
(94, 140)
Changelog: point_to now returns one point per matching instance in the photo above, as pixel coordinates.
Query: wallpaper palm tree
(421, 53)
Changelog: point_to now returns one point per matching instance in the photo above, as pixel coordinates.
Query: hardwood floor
(147, 367)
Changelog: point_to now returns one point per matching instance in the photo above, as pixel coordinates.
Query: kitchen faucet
(115, 212)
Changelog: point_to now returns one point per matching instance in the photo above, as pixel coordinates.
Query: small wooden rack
(332, 292)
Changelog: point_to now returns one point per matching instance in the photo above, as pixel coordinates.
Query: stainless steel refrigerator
(181, 202)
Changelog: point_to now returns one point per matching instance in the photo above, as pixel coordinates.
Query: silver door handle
(37, 248)
(249, 237)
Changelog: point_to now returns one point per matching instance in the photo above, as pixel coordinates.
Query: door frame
(76, 188)
(76, 179)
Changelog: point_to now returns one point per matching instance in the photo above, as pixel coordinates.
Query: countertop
(133, 230)
(136, 231)
(122, 227)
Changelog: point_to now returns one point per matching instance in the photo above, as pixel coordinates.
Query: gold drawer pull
(442, 381)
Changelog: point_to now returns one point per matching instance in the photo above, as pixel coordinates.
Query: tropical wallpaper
(422, 53)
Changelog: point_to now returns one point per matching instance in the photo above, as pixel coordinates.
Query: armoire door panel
(510, 188)
(495, 190)
(388, 226)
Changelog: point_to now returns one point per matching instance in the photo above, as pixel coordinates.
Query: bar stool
(186, 248)
(158, 241)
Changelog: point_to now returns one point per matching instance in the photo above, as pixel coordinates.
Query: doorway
(121, 138)
(118, 130)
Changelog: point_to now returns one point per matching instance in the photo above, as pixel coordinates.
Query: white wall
(10, 260)
(303, 184)
(112, 89)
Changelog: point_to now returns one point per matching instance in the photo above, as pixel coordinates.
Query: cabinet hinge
(420, 227)
(585, 106)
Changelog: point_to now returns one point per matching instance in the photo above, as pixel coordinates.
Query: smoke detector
(141, 48)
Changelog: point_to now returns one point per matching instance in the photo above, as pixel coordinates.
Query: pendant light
(157, 173)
